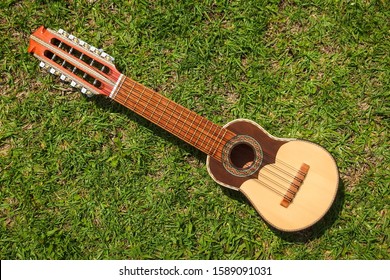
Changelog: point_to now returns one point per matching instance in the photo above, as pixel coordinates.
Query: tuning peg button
(94, 50)
(73, 38)
(85, 45)
(53, 71)
(107, 56)
(42, 64)
(86, 92)
(63, 32)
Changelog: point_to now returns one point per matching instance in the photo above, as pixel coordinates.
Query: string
(277, 188)
(196, 117)
(268, 167)
(147, 97)
(206, 133)
(189, 116)
(167, 108)
(211, 133)
(296, 170)
(274, 190)
(290, 166)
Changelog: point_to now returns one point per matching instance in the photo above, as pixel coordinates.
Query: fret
(170, 116)
(212, 134)
(93, 72)
(189, 127)
(129, 92)
(147, 103)
(155, 106)
(177, 120)
(201, 132)
(212, 146)
(139, 98)
(220, 140)
(163, 111)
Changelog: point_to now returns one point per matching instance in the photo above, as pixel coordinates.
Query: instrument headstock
(85, 67)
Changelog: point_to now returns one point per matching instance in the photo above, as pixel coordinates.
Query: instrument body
(291, 183)
(281, 162)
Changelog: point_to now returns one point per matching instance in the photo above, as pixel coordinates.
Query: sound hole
(242, 156)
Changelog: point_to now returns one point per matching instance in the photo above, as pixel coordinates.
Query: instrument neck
(172, 117)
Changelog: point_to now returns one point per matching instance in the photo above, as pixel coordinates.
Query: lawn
(85, 178)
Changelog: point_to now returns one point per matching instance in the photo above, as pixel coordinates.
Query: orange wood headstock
(84, 66)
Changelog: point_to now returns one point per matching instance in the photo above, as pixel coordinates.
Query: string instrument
(291, 183)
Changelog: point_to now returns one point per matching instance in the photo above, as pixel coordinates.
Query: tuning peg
(53, 71)
(74, 38)
(75, 85)
(85, 45)
(64, 78)
(43, 65)
(106, 56)
(86, 92)
(81, 43)
(63, 33)
(102, 53)
(82, 89)
(94, 50)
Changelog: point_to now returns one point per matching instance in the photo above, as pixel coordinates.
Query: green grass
(87, 179)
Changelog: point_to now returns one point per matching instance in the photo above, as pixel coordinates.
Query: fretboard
(178, 120)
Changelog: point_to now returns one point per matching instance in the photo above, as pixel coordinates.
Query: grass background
(87, 179)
